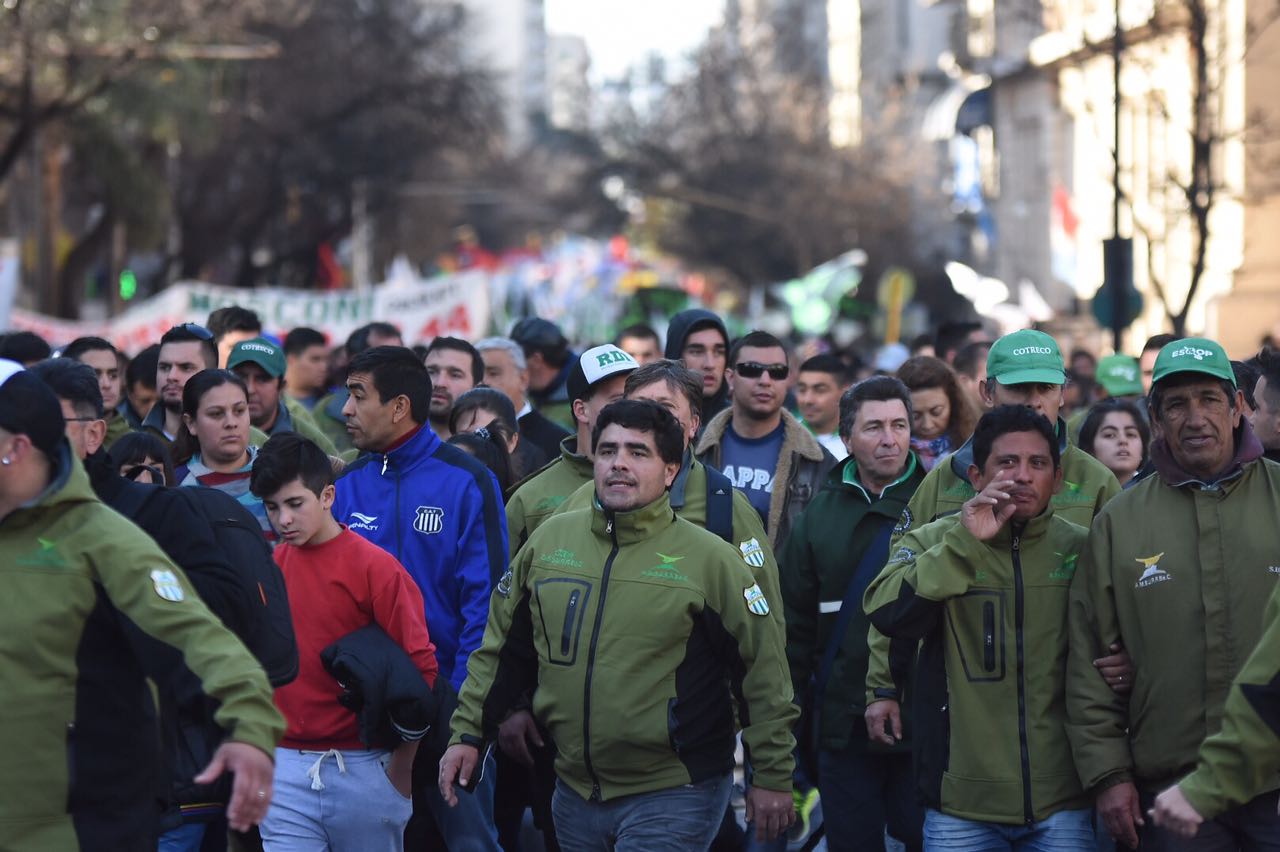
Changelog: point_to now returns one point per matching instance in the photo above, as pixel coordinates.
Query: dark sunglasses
(753, 370)
(196, 329)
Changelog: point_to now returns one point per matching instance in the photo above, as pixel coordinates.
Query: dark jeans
(678, 819)
(862, 793)
(1252, 827)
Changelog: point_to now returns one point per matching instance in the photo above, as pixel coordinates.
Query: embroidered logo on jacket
(752, 553)
(1152, 573)
(504, 585)
(1067, 569)
(904, 522)
(430, 520)
(755, 600)
(363, 522)
(167, 585)
(45, 555)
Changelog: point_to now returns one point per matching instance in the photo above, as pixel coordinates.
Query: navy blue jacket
(439, 511)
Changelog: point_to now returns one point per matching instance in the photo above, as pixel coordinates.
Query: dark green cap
(1194, 355)
(259, 351)
(1026, 357)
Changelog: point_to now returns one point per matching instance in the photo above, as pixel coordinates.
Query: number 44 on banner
(456, 324)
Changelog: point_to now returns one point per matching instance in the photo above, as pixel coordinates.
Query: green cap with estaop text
(1194, 355)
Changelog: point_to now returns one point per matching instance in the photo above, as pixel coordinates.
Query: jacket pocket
(561, 604)
(975, 626)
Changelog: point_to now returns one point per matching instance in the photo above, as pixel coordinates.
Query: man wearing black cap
(82, 723)
(699, 339)
(549, 361)
(596, 378)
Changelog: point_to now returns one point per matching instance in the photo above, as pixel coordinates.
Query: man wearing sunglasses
(764, 450)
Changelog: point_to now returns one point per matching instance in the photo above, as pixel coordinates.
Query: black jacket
(383, 687)
(544, 434)
(188, 732)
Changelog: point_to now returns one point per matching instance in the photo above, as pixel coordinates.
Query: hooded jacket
(439, 512)
(642, 635)
(292, 416)
(542, 493)
(328, 417)
(802, 466)
(106, 610)
(990, 739)
(1180, 571)
(681, 326)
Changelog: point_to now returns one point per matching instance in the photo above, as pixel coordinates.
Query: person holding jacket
(93, 609)
(986, 591)
(642, 635)
(437, 510)
(1179, 568)
(839, 544)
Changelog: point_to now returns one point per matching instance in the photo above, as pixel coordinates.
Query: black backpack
(267, 628)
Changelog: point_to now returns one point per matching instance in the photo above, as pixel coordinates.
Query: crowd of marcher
(282, 594)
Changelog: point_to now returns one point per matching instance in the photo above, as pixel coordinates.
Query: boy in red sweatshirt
(331, 791)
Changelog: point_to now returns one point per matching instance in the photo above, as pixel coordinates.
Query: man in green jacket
(93, 608)
(837, 546)
(1179, 568)
(987, 592)
(642, 635)
(596, 378)
(1023, 368)
(702, 496)
(1243, 758)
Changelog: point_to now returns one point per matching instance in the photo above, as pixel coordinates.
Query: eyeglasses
(193, 328)
(753, 370)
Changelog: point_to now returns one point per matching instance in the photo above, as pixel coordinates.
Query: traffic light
(128, 284)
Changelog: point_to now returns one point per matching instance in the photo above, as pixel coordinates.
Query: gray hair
(506, 344)
(874, 389)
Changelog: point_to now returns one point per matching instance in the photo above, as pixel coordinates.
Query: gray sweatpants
(334, 801)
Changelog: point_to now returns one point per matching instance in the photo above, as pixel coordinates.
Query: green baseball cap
(1194, 355)
(259, 351)
(1120, 375)
(1026, 357)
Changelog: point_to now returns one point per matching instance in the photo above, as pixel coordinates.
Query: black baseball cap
(28, 407)
(537, 333)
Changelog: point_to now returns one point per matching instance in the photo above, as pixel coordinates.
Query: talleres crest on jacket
(904, 522)
(504, 585)
(166, 585)
(429, 520)
(756, 601)
(752, 553)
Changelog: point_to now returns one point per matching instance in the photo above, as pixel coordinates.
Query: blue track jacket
(438, 510)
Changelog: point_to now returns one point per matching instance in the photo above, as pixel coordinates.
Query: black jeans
(862, 793)
(1252, 827)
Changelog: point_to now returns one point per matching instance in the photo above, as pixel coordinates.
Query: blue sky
(621, 33)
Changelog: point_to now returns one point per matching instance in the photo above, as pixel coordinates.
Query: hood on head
(686, 323)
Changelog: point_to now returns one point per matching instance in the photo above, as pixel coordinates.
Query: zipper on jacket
(1028, 813)
(399, 544)
(989, 636)
(591, 664)
(569, 612)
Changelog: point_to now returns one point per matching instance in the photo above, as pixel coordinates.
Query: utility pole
(1116, 268)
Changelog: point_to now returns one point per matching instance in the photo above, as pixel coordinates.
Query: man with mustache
(1179, 568)
(987, 593)
(836, 548)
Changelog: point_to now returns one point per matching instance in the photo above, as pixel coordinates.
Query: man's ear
(975, 477)
(400, 408)
(1057, 479)
(669, 475)
(95, 433)
(580, 411)
(984, 391)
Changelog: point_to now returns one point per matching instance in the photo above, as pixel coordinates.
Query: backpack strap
(719, 504)
(873, 559)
